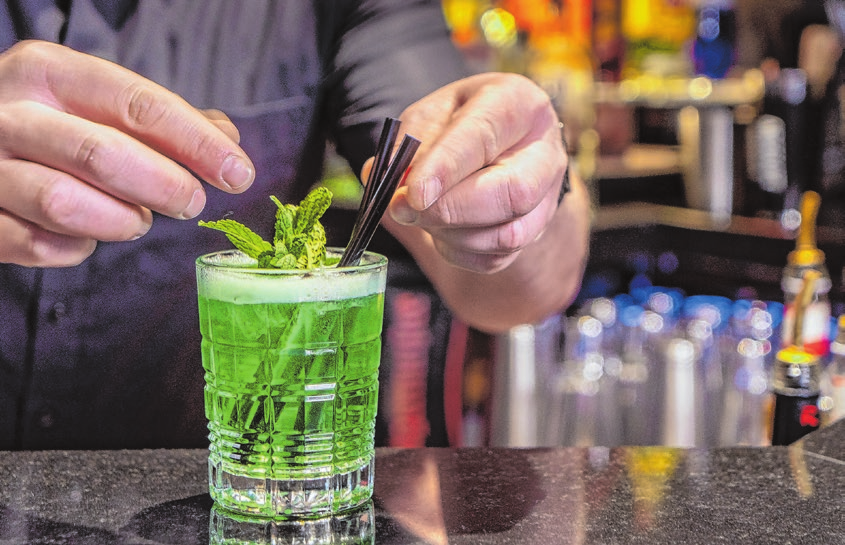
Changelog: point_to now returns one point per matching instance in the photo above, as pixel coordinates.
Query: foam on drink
(263, 286)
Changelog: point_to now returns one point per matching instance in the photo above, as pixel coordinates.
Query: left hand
(485, 182)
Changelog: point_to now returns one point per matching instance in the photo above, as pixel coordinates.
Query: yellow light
(499, 27)
(700, 88)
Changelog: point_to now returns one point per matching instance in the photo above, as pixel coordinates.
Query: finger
(60, 203)
(483, 263)
(519, 181)
(491, 120)
(103, 157)
(27, 244)
(365, 170)
(106, 93)
(222, 122)
(502, 239)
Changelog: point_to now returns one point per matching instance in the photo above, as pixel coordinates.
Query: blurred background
(710, 134)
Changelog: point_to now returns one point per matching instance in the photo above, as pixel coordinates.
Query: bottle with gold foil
(796, 388)
(815, 329)
(796, 377)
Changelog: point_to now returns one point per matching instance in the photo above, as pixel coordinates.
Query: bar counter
(589, 495)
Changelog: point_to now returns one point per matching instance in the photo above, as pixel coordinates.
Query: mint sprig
(299, 241)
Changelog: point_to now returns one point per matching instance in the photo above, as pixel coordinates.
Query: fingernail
(237, 172)
(195, 206)
(402, 213)
(144, 230)
(428, 189)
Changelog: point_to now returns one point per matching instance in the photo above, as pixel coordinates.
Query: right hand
(89, 149)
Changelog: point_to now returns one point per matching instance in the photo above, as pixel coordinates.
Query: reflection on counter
(355, 527)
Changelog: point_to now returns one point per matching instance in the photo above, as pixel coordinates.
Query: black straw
(379, 190)
(389, 132)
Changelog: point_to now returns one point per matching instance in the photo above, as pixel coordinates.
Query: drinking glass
(291, 361)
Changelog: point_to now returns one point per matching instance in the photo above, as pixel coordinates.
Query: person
(113, 133)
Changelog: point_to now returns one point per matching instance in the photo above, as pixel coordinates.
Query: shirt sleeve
(382, 56)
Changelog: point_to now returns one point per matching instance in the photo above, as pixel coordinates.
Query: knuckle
(57, 202)
(26, 63)
(101, 159)
(173, 197)
(488, 136)
(446, 210)
(87, 153)
(201, 143)
(98, 158)
(140, 105)
(520, 194)
(28, 52)
(511, 237)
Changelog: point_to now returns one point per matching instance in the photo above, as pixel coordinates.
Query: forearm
(544, 279)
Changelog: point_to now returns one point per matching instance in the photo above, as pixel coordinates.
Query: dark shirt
(106, 354)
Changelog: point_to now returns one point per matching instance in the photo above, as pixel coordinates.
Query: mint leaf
(311, 209)
(299, 240)
(244, 238)
(285, 214)
(286, 261)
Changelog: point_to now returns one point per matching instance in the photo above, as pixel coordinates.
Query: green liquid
(291, 397)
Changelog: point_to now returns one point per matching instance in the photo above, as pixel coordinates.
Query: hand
(486, 180)
(89, 149)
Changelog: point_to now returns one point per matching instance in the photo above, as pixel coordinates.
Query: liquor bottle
(815, 332)
(796, 388)
(796, 378)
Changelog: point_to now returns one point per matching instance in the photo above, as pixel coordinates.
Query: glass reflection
(355, 527)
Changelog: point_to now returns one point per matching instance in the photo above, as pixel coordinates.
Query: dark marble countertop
(596, 495)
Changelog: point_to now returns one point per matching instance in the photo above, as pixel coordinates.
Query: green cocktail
(291, 366)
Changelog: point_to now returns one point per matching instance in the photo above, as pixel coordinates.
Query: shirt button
(57, 312)
(46, 419)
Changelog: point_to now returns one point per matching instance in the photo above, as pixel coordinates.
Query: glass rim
(370, 261)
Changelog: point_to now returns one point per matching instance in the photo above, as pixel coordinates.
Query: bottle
(796, 388)
(815, 332)
(796, 377)
(833, 385)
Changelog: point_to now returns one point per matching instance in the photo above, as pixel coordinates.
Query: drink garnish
(299, 241)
